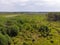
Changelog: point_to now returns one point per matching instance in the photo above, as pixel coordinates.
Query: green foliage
(27, 29)
(44, 30)
(25, 43)
(3, 40)
(2, 29)
(12, 30)
(54, 16)
(27, 26)
(10, 22)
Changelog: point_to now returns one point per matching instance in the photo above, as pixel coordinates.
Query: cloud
(29, 5)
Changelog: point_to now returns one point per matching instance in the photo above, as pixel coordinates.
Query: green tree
(54, 16)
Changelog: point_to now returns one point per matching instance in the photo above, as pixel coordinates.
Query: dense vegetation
(54, 16)
(26, 29)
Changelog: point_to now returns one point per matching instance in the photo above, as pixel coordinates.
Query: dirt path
(11, 15)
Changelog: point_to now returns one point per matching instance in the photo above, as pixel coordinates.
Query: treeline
(54, 16)
(3, 13)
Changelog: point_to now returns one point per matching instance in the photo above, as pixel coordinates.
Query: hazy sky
(30, 5)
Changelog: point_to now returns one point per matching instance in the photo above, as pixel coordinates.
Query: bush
(27, 26)
(20, 26)
(2, 29)
(21, 21)
(3, 40)
(12, 30)
(44, 30)
(34, 26)
(25, 43)
(8, 39)
(10, 22)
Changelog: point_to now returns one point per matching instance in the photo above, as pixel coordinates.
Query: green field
(26, 29)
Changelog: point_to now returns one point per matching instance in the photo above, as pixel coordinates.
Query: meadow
(30, 29)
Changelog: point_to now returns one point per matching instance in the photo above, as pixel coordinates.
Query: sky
(29, 5)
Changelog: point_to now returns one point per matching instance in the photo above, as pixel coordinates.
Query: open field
(26, 29)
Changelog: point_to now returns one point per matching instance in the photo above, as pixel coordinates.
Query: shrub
(25, 43)
(44, 30)
(34, 26)
(12, 30)
(27, 26)
(2, 29)
(9, 22)
(3, 40)
(20, 26)
(8, 39)
(21, 21)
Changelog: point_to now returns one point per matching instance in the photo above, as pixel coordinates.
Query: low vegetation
(26, 29)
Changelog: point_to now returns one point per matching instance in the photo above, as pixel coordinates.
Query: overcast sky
(30, 5)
